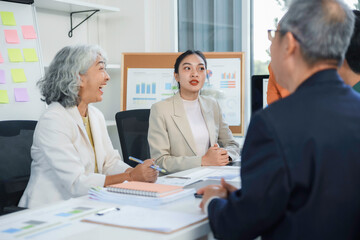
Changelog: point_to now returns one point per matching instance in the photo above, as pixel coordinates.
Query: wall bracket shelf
(70, 34)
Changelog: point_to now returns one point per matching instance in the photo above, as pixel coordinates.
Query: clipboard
(146, 219)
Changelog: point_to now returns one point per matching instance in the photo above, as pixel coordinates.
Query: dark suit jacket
(300, 168)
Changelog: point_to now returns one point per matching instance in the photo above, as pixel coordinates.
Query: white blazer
(63, 158)
(170, 138)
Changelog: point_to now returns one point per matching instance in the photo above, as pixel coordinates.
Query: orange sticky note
(28, 32)
(11, 36)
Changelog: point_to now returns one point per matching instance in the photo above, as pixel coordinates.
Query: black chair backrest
(132, 126)
(16, 138)
(257, 96)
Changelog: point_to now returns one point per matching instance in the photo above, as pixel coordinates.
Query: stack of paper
(101, 194)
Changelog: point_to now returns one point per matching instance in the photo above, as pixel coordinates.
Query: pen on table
(197, 195)
(178, 177)
(105, 211)
(152, 166)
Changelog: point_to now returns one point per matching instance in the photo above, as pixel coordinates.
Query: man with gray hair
(300, 160)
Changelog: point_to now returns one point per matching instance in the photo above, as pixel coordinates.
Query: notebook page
(147, 219)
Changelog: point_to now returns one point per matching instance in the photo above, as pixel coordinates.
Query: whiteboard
(23, 97)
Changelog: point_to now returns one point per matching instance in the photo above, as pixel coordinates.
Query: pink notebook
(144, 189)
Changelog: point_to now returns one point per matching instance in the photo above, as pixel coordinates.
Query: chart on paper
(147, 86)
(45, 223)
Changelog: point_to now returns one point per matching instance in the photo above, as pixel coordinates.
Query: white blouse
(197, 125)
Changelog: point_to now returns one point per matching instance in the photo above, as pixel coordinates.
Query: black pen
(197, 195)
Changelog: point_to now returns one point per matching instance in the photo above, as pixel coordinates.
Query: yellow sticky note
(30, 55)
(4, 98)
(15, 55)
(18, 75)
(8, 18)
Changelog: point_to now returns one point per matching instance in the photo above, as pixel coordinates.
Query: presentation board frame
(167, 60)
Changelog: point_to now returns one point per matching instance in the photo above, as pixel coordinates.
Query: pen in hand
(157, 168)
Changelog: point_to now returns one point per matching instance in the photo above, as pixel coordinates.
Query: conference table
(62, 220)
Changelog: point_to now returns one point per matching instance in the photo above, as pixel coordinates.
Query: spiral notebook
(144, 189)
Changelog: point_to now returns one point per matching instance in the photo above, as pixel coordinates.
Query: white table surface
(55, 227)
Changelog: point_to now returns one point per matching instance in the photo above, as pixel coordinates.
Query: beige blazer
(171, 141)
(63, 157)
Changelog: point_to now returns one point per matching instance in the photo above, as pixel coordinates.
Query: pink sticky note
(2, 76)
(1, 59)
(21, 95)
(11, 36)
(28, 32)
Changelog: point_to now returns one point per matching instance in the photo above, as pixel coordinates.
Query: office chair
(132, 126)
(257, 96)
(16, 138)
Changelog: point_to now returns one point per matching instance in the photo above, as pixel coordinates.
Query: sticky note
(15, 55)
(1, 59)
(4, 98)
(21, 95)
(28, 32)
(18, 75)
(30, 55)
(2, 76)
(11, 36)
(8, 18)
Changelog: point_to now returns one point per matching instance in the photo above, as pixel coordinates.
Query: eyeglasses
(272, 32)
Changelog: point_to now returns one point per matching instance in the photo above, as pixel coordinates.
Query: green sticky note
(15, 55)
(8, 18)
(4, 98)
(30, 55)
(18, 75)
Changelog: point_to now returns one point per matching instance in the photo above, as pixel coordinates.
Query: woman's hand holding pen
(215, 156)
(143, 172)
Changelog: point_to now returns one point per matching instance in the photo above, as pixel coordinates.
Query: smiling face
(191, 76)
(93, 82)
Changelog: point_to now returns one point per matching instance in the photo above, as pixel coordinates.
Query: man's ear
(291, 43)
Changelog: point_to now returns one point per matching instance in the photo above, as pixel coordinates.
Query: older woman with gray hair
(72, 150)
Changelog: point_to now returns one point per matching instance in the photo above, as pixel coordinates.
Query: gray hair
(322, 27)
(61, 82)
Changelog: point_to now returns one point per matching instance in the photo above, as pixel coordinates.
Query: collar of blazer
(180, 119)
(75, 115)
